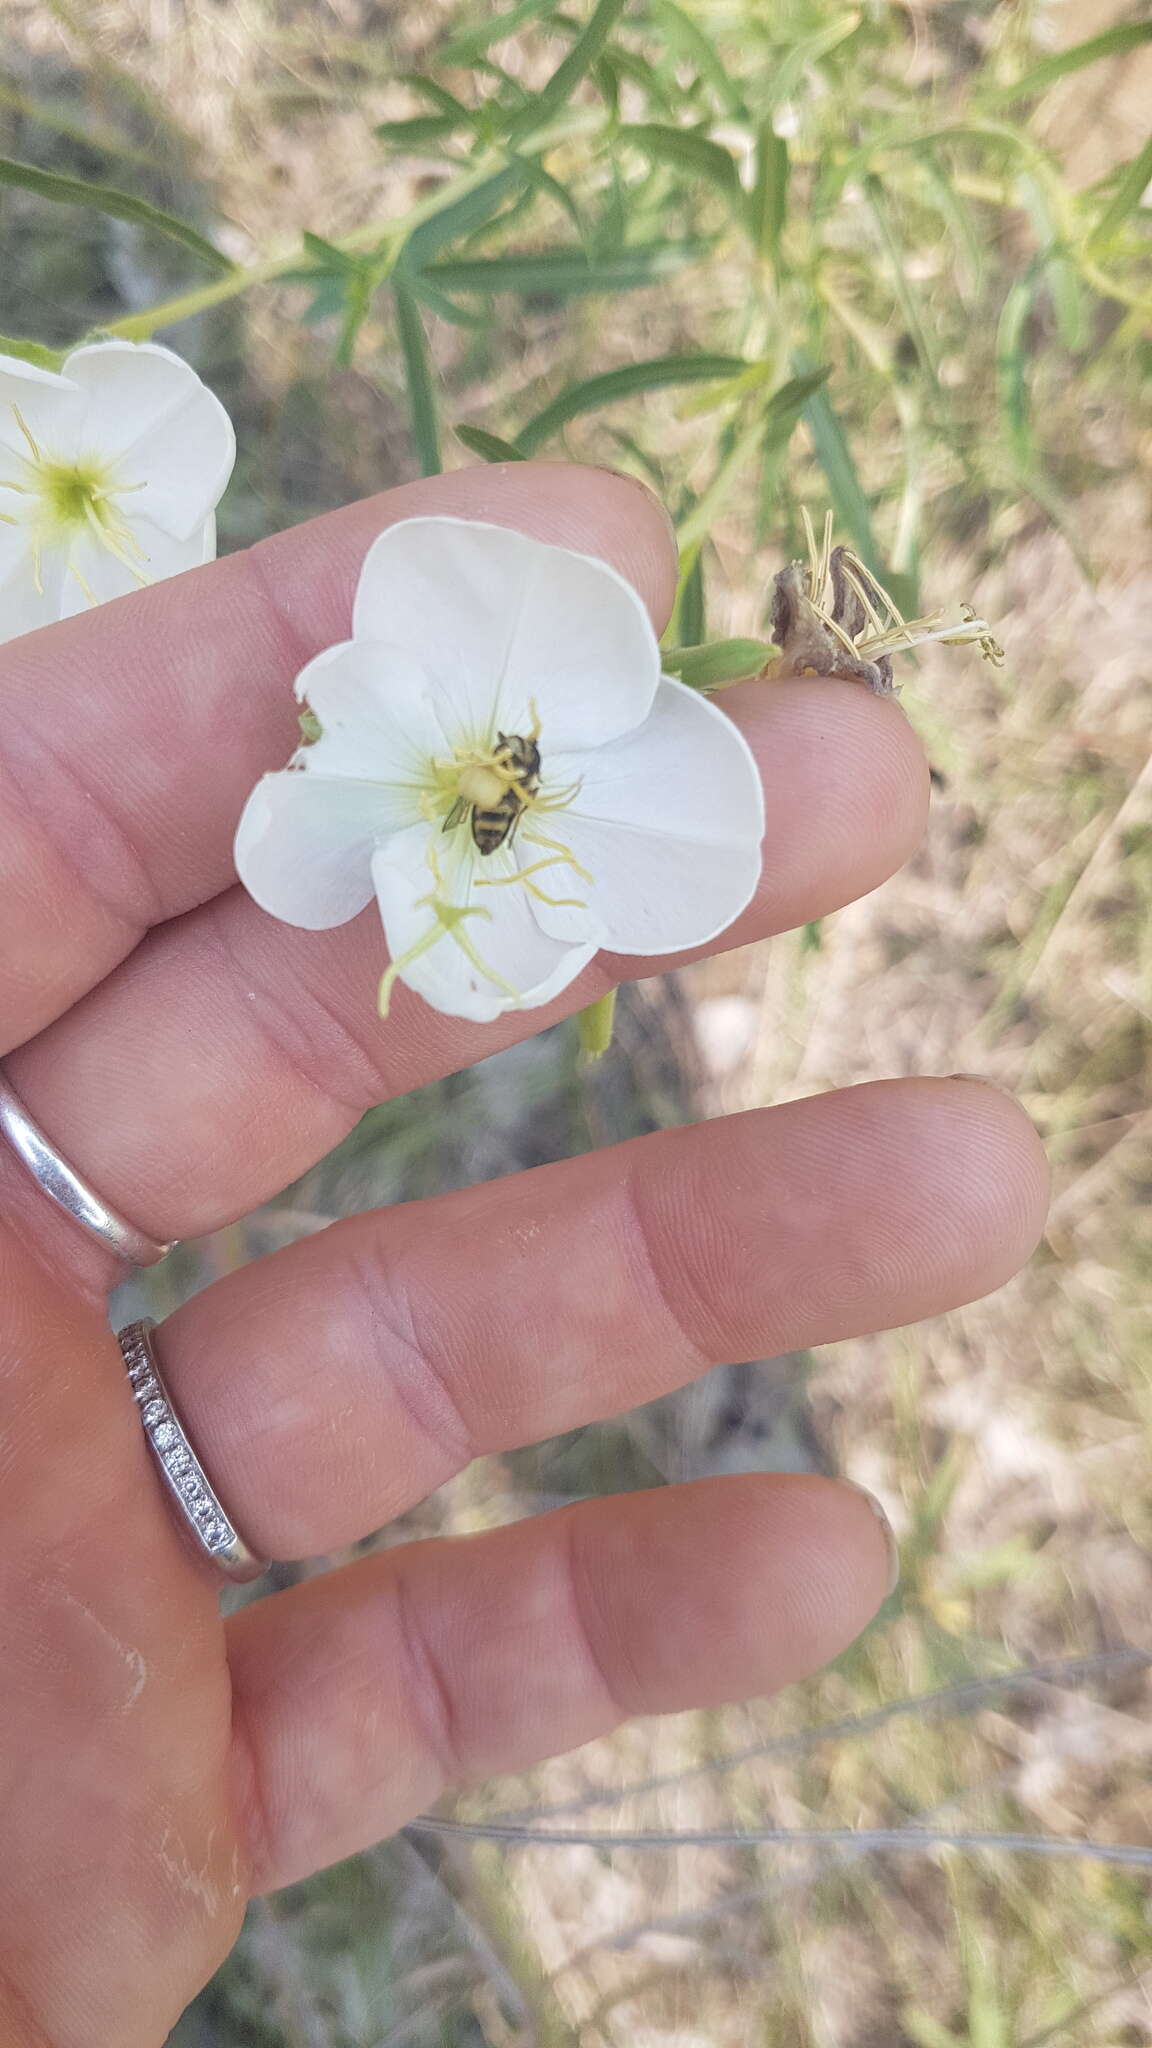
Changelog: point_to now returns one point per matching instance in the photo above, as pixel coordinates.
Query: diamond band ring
(182, 1471)
(64, 1186)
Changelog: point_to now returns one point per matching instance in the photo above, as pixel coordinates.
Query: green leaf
(581, 57)
(329, 258)
(688, 38)
(429, 294)
(783, 83)
(691, 615)
(418, 375)
(460, 217)
(725, 661)
(768, 201)
(687, 150)
(1012, 368)
(107, 200)
(1113, 43)
(489, 446)
(789, 400)
(566, 273)
(1130, 188)
(626, 382)
(430, 89)
(472, 42)
(421, 128)
(835, 458)
(32, 352)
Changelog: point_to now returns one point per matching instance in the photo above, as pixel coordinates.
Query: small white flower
(496, 757)
(110, 473)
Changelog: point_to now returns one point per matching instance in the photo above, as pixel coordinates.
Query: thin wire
(964, 1697)
(854, 1839)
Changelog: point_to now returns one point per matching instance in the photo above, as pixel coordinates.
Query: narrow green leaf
(687, 150)
(1114, 42)
(691, 603)
(902, 291)
(421, 128)
(1130, 188)
(768, 201)
(471, 43)
(418, 376)
(429, 294)
(461, 217)
(1012, 368)
(32, 352)
(430, 89)
(489, 446)
(107, 200)
(789, 401)
(835, 458)
(329, 258)
(542, 181)
(783, 83)
(567, 76)
(725, 661)
(626, 382)
(565, 272)
(688, 39)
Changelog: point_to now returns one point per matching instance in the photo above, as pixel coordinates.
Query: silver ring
(63, 1185)
(183, 1474)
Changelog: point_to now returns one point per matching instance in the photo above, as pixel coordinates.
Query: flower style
(110, 473)
(496, 757)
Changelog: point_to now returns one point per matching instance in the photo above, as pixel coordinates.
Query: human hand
(191, 1056)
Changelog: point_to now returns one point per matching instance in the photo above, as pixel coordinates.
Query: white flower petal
(506, 623)
(96, 573)
(51, 407)
(305, 842)
(668, 821)
(378, 719)
(527, 968)
(23, 607)
(170, 436)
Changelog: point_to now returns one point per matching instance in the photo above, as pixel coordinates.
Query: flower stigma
(71, 498)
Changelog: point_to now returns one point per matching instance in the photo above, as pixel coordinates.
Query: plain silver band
(64, 1186)
(183, 1473)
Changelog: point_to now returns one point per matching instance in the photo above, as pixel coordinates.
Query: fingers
(332, 1385)
(231, 1051)
(120, 1883)
(361, 1696)
(132, 735)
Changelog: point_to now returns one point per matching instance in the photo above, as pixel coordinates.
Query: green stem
(141, 326)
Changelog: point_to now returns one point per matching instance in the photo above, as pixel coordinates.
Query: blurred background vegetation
(891, 259)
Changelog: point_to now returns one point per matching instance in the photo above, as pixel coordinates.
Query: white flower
(496, 757)
(109, 477)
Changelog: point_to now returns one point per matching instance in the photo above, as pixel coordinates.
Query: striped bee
(495, 824)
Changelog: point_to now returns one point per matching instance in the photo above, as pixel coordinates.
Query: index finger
(130, 736)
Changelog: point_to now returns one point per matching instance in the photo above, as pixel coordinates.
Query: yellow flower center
(70, 498)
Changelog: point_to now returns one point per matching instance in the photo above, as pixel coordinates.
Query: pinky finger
(362, 1696)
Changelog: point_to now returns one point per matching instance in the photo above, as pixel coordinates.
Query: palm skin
(191, 1057)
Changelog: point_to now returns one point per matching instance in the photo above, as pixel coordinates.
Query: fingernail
(889, 1534)
(625, 476)
(986, 1081)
